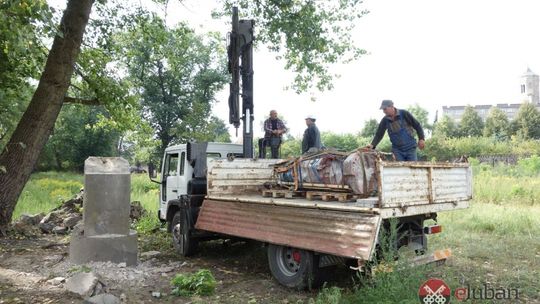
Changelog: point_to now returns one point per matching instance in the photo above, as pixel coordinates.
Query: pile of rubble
(63, 219)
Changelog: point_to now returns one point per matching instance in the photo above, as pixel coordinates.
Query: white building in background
(530, 88)
(530, 92)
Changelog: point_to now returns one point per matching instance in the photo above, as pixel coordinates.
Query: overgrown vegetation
(201, 283)
(47, 190)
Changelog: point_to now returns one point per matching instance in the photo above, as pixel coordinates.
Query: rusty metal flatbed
(356, 206)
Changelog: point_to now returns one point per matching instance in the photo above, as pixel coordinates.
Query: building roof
(478, 107)
(529, 73)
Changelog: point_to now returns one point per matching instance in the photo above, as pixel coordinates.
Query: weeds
(328, 295)
(201, 283)
(47, 190)
(148, 223)
(81, 268)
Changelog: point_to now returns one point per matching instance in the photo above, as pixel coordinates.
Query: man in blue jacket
(400, 125)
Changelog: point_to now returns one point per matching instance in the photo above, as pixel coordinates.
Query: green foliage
(200, 283)
(527, 122)
(508, 185)
(530, 166)
(291, 147)
(421, 115)
(342, 142)
(497, 124)
(446, 127)
(370, 128)
(148, 224)
(139, 145)
(328, 295)
(442, 149)
(77, 136)
(471, 124)
(98, 74)
(177, 74)
(308, 35)
(22, 56)
(46, 190)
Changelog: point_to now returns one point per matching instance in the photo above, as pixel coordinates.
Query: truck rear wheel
(294, 268)
(184, 244)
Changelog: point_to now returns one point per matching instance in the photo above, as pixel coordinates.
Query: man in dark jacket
(312, 137)
(400, 125)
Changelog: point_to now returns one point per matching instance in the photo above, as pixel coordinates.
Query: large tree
(497, 124)
(471, 124)
(421, 115)
(78, 135)
(527, 121)
(370, 128)
(308, 35)
(446, 127)
(22, 151)
(177, 74)
(343, 142)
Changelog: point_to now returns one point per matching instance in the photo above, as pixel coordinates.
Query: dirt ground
(28, 265)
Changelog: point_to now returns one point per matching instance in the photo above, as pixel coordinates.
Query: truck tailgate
(341, 233)
(405, 184)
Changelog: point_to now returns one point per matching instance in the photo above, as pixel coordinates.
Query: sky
(429, 52)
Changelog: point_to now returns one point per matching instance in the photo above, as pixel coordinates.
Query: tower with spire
(530, 89)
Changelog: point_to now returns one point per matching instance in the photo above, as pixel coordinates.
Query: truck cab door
(184, 175)
(169, 186)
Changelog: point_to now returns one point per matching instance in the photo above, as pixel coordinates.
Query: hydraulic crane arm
(240, 53)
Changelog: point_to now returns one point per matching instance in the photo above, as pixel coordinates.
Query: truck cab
(183, 172)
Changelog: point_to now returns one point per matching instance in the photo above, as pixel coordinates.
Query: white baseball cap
(312, 117)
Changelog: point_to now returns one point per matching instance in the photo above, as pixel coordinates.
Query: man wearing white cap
(312, 137)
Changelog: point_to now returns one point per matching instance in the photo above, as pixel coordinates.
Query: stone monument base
(116, 248)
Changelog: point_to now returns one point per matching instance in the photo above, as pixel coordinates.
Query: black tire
(184, 244)
(294, 268)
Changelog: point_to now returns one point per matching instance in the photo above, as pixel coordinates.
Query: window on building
(522, 88)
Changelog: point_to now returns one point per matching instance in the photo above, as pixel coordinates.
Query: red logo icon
(434, 291)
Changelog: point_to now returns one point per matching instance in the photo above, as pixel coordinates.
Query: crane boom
(240, 63)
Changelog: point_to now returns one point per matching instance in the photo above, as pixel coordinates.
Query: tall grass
(46, 190)
(145, 191)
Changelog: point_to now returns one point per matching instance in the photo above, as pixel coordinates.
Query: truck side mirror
(151, 171)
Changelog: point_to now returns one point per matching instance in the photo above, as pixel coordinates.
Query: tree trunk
(21, 153)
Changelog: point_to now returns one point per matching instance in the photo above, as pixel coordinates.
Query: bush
(530, 166)
(201, 283)
(148, 223)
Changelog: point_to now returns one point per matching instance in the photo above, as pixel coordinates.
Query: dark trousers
(272, 142)
(405, 155)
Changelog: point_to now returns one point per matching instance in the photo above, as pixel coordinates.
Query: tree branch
(87, 102)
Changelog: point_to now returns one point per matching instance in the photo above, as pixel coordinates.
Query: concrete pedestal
(106, 235)
(116, 248)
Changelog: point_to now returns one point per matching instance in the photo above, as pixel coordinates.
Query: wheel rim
(288, 260)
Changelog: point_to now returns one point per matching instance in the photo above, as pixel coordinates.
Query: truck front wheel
(184, 244)
(294, 268)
